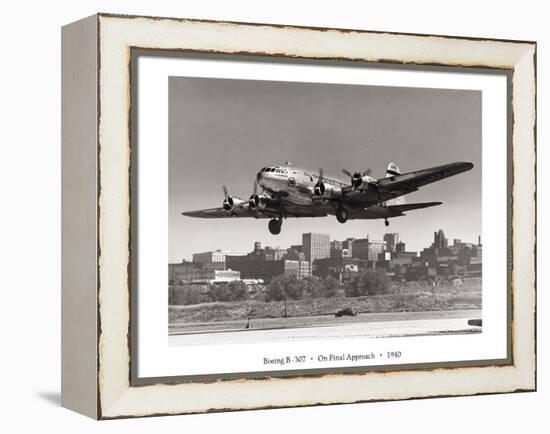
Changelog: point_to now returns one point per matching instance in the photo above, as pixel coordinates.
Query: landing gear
(274, 226)
(386, 222)
(341, 214)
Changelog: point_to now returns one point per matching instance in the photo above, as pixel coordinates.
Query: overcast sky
(223, 131)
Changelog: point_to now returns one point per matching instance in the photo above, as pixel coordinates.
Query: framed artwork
(261, 216)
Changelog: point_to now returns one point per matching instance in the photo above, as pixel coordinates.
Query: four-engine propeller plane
(289, 191)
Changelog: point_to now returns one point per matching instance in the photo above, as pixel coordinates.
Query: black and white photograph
(316, 211)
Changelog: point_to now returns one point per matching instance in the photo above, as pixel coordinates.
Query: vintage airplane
(289, 191)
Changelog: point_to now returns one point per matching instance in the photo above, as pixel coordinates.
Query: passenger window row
(274, 169)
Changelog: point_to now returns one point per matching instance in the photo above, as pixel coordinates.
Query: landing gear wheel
(341, 214)
(386, 222)
(275, 226)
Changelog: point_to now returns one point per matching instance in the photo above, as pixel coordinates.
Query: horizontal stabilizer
(411, 206)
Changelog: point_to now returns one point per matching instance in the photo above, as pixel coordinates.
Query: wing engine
(358, 178)
(257, 201)
(325, 190)
(230, 202)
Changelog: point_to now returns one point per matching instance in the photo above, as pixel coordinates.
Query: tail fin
(392, 170)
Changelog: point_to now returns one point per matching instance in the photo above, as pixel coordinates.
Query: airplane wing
(398, 185)
(288, 210)
(413, 180)
(218, 213)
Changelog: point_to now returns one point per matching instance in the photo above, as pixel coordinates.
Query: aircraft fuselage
(296, 185)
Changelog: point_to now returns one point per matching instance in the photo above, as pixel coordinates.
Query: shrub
(184, 295)
(370, 282)
(238, 290)
(330, 287)
(312, 287)
(284, 287)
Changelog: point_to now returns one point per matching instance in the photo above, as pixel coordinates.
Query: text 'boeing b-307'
(290, 191)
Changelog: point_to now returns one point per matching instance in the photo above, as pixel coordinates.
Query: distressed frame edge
(305, 27)
(529, 386)
(80, 181)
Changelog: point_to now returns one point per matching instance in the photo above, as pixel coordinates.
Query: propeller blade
(320, 174)
(367, 172)
(347, 172)
(225, 193)
(255, 188)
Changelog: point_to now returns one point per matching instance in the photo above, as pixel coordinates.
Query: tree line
(284, 287)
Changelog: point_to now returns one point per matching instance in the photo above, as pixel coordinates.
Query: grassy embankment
(419, 301)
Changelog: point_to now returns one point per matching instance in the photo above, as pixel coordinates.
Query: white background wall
(30, 217)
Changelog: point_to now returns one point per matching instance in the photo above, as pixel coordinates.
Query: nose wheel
(341, 214)
(274, 226)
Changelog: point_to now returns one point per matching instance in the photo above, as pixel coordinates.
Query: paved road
(372, 326)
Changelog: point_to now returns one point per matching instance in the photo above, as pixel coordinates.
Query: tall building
(294, 255)
(300, 269)
(209, 257)
(400, 247)
(360, 249)
(348, 245)
(366, 249)
(214, 260)
(335, 244)
(335, 249)
(274, 254)
(375, 249)
(391, 240)
(440, 242)
(459, 254)
(316, 246)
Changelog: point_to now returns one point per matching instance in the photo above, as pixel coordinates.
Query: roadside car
(348, 311)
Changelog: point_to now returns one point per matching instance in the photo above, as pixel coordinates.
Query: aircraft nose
(259, 176)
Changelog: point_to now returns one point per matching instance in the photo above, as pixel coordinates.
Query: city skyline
(253, 245)
(222, 132)
(339, 259)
